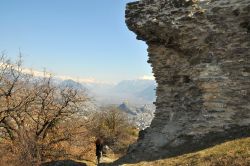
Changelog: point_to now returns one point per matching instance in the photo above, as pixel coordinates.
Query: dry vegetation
(114, 127)
(233, 153)
(41, 121)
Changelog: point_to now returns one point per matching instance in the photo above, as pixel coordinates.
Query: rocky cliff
(200, 55)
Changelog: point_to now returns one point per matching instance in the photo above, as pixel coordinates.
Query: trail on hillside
(104, 160)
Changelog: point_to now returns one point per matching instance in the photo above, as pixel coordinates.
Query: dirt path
(107, 160)
(104, 160)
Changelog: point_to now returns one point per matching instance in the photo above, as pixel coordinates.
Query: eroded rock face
(200, 55)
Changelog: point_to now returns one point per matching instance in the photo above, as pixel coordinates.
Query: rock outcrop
(200, 55)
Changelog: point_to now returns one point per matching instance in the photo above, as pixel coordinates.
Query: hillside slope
(233, 153)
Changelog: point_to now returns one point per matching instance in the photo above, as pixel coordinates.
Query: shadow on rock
(64, 163)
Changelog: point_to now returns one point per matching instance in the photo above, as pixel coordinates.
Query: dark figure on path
(99, 149)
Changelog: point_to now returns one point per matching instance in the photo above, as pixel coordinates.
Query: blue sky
(78, 38)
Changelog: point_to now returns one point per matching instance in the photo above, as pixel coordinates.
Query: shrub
(114, 127)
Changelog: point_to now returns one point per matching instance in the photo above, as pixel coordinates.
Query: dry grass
(233, 153)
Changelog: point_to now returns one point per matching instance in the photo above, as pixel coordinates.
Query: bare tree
(34, 111)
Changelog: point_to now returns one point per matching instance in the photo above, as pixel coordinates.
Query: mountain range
(136, 92)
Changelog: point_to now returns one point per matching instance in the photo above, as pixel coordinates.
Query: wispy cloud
(61, 77)
(36, 73)
(147, 77)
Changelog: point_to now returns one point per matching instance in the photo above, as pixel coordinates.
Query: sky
(84, 39)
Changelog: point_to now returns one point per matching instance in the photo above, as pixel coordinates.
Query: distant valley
(133, 97)
(136, 92)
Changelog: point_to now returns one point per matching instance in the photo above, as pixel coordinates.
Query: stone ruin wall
(200, 55)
